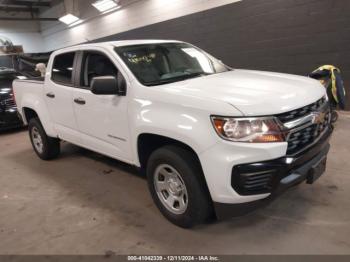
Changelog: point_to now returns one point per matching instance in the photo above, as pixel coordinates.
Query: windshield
(155, 64)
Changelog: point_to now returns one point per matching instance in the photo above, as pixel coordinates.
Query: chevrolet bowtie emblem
(318, 117)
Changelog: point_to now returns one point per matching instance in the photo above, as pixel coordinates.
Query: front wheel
(44, 146)
(177, 186)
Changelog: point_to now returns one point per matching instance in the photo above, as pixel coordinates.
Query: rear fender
(38, 105)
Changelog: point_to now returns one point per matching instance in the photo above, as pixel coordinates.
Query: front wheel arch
(147, 143)
(199, 205)
(29, 114)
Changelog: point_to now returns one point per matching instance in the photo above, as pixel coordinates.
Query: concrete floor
(85, 203)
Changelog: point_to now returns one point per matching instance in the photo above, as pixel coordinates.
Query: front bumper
(271, 176)
(280, 174)
(10, 119)
(225, 162)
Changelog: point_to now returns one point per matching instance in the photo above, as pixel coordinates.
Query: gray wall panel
(292, 36)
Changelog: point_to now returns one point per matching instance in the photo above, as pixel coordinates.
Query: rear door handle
(79, 101)
(51, 95)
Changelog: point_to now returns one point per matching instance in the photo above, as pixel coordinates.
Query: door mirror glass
(104, 85)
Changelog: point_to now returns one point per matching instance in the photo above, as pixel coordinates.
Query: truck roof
(119, 43)
(139, 42)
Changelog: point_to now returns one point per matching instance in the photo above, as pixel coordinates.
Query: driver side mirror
(108, 85)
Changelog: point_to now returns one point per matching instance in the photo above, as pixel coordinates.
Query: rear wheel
(44, 146)
(177, 186)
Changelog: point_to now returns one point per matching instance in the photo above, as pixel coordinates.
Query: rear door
(102, 119)
(58, 94)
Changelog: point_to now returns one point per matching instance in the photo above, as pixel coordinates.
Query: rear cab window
(62, 69)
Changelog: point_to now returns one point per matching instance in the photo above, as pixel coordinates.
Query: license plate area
(316, 170)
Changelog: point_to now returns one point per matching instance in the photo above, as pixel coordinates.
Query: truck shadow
(96, 165)
(118, 190)
(111, 164)
(115, 196)
(11, 131)
(114, 166)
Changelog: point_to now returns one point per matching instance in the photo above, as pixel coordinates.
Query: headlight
(255, 130)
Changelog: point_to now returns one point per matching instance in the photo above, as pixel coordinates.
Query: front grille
(300, 112)
(301, 138)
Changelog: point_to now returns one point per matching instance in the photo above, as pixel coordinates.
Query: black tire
(50, 145)
(199, 205)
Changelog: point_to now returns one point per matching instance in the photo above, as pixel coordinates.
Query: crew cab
(212, 140)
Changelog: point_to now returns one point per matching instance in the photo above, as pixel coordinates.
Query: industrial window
(62, 69)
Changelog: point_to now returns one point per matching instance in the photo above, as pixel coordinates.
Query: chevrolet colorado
(212, 140)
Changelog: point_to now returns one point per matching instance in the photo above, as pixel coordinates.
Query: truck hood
(253, 92)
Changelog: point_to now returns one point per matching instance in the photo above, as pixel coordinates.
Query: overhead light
(105, 5)
(68, 19)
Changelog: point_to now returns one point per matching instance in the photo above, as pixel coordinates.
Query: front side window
(155, 64)
(62, 69)
(96, 65)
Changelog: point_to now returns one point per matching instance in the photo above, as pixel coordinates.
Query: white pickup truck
(213, 141)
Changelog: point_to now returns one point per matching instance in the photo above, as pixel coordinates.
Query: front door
(102, 119)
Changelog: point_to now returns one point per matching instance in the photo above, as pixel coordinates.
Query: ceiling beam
(28, 19)
(26, 3)
(18, 9)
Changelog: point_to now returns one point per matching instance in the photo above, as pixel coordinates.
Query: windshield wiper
(176, 79)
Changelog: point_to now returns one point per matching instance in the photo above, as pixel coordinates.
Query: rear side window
(62, 69)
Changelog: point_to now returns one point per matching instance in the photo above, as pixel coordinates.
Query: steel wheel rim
(37, 140)
(171, 189)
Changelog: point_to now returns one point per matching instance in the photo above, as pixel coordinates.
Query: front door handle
(51, 95)
(79, 101)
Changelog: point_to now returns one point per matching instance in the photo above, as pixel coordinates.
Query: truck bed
(28, 91)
